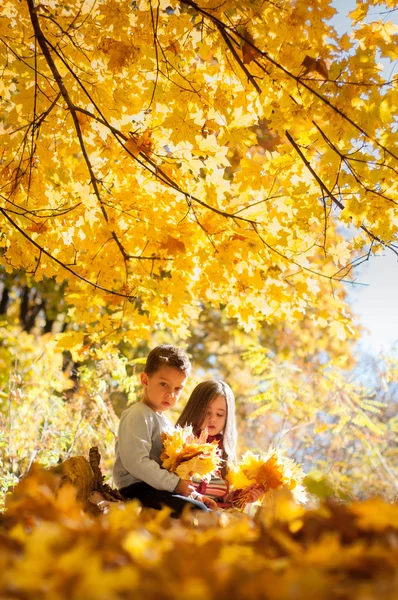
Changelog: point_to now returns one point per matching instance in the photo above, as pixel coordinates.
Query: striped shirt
(217, 488)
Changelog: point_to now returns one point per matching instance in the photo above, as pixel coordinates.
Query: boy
(137, 471)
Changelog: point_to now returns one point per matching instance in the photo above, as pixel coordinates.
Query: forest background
(205, 174)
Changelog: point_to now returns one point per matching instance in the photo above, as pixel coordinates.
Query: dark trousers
(153, 498)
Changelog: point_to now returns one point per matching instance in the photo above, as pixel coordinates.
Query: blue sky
(375, 304)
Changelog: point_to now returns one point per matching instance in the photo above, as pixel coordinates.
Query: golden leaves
(374, 515)
(73, 342)
(266, 137)
(210, 151)
(140, 143)
(249, 48)
(268, 472)
(315, 65)
(189, 456)
(40, 227)
(120, 54)
(182, 127)
(173, 246)
(50, 547)
(174, 47)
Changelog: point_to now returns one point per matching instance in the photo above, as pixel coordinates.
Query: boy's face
(162, 389)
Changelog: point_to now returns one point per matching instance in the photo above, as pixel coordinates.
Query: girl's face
(216, 416)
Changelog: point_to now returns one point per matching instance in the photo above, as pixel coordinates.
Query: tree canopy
(161, 155)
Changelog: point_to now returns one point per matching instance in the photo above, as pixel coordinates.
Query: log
(86, 476)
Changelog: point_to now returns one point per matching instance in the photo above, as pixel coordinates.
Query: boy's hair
(170, 356)
(196, 408)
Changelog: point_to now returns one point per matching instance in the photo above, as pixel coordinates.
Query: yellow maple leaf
(173, 246)
(375, 514)
(120, 54)
(140, 143)
(315, 65)
(189, 456)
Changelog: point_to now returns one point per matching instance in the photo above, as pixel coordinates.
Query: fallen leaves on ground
(50, 548)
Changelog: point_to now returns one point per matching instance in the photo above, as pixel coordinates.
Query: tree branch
(61, 264)
(47, 55)
(329, 193)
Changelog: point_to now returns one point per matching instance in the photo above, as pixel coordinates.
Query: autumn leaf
(140, 143)
(315, 65)
(173, 246)
(120, 54)
(37, 227)
(249, 50)
(374, 515)
(174, 47)
(266, 137)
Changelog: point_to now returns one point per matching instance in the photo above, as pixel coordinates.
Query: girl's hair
(195, 412)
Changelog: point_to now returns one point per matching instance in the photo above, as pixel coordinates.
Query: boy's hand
(184, 488)
(207, 502)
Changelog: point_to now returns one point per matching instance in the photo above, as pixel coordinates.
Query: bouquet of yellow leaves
(189, 456)
(267, 472)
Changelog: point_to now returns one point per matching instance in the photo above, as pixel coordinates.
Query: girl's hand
(255, 491)
(207, 502)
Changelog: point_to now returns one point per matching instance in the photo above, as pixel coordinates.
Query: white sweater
(138, 449)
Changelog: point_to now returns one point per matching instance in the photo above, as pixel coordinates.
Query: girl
(212, 405)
